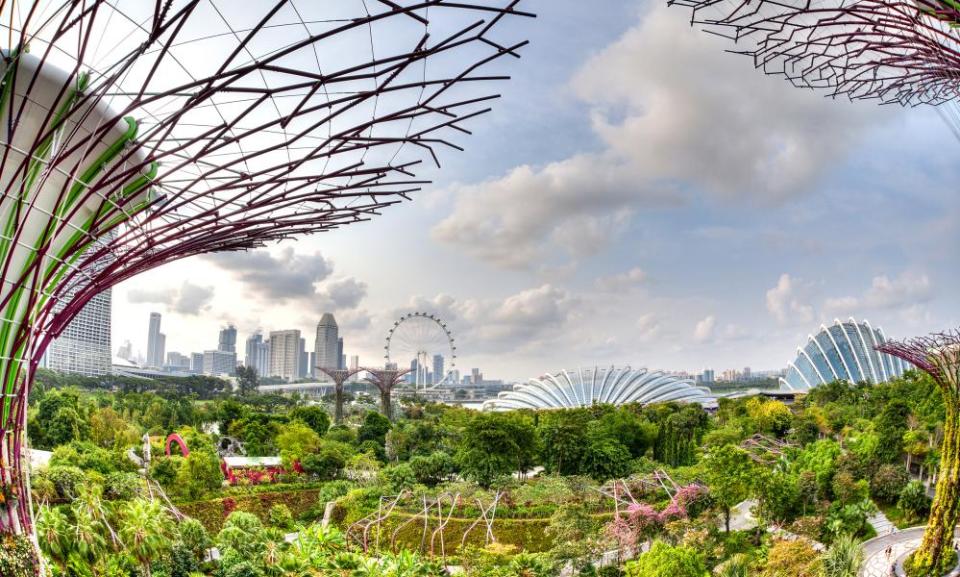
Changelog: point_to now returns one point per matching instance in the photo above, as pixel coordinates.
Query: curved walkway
(876, 562)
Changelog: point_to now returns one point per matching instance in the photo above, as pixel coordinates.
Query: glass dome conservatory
(589, 386)
(844, 351)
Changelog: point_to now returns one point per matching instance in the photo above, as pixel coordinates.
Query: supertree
(386, 380)
(138, 133)
(339, 376)
(938, 355)
(902, 51)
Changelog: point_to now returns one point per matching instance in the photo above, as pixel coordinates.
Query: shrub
(398, 477)
(194, 537)
(432, 469)
(16, 557)
(67, 480)
(888, 482)
(333, 491)
(280, 517)
(663, 560)
(122, 486)
(914, 501)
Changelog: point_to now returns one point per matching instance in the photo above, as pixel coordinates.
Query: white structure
(844, 351)
(326, 348)
(84, 347)
(285, 354)
(156, 343)
(592, 386)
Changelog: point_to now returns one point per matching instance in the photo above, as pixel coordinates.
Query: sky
(638, 196)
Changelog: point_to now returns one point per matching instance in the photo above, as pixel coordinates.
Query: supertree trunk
(386, 402)
(338, 404)
(339, 377)
(939, 356)
(386, 380)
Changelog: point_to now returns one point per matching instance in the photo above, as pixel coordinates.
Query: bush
(122, 486)
(914, 501)
(432, 469)
(333, 491)
(280, 517)
(888, 482)
(663, 560)
(67, 481)
(194, 537)
(16, 557)
(398, 477)
(328, 461)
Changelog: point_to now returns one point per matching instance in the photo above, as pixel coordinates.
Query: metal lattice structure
(386, 380)
(898, 51)
(339, 377)
(938, 355)
(134, 134)
(418, 336)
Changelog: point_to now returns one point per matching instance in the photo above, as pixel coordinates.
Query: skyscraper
(196, 363)
(257, 353)
(125, 351)
(228, 339)
(219, 363)
(285, 354)
(156, 343)
(302, 370)
(84, 345)
(325, 346)
(438, 373)
(341, 360)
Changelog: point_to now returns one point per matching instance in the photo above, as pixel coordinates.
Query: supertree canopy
(135, 133)
(898, 51)
(938, 355)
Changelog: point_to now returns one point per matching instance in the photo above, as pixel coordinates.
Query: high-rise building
(84, 346)
(156, 343)
(341, 359)
(196, 363)
(475, 376)
(312, 365)
(438, 373)
(219, 363)
(125, 351)
(708, 376)
(414, 369)
(354, 362)
(228, 339)
(285, 354)
(325, 347)
(302, 370)
(257, 353)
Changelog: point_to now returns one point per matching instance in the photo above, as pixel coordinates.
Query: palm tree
(843, 558)
(145, 531)
(87, 533)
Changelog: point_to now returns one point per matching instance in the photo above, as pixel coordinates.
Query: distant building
(156, 343)
(125, 351)
(219, 363)
(354, 362)
(228, 339)
(257, 353)
(312, 365)
(438, 373)
(476, 376)
(326, 345)
(178, 362)
(341, 358)
(84, 346)
(196, 363)
(303, 370)
(707, 376)
(285, 354)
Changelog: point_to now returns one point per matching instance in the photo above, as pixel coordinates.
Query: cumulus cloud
(287, 275)
(908, 290)
(526, 319)
(344, 293)
(784, 304)
(625, 280)
(704, 329)
(648, 328)
(664, 124)
(189, 299)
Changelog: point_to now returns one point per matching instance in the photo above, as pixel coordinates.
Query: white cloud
(188, 299)
(648, 328)
(664, 123)
(784, 305)
(703, 332)
(625, 280)
(908, 291)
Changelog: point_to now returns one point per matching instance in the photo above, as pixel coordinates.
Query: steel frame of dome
(586, 387)
(847, 351)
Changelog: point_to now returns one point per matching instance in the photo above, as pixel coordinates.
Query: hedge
(213, 512)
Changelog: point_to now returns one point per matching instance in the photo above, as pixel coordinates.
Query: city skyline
(686, 253)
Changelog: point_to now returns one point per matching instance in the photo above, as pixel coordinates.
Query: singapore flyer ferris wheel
(423, 340)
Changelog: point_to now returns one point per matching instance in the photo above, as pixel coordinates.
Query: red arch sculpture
(175, 438)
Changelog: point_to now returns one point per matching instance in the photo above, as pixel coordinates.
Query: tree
(495, 444)
(145, 531)
(432, 469)
(914, 500)
(795, 558)
(729, 473)
(887, 483)
(374, 428)
(663, 560)
(604, 457)
(247, 380)
(315, 417)
(563, 440)
(297, 440)
(891, 425)
(328, 460)
(199, 473)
